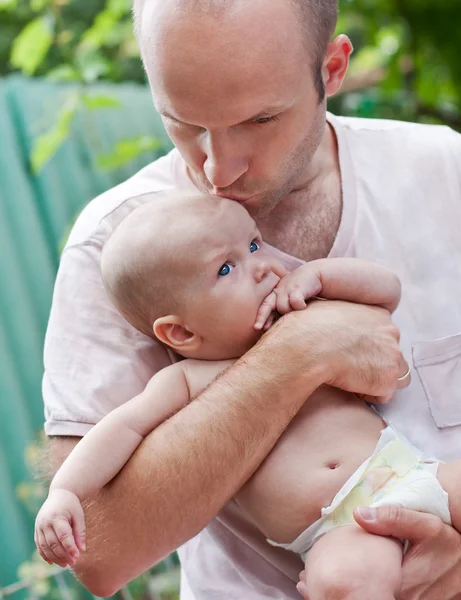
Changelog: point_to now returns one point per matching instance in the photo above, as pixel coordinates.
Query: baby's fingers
(265, 310)
(78, 527)
(296, 299)
(44, 549)
(283, 305)
(56, 548)
(65, 534)
(41, 546)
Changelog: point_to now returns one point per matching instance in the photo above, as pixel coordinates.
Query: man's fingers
(404, 380)
(398, 522)
(375, 399)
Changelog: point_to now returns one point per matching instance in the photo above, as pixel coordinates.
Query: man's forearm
(187, 469)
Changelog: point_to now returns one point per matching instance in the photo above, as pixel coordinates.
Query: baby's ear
(171, 331)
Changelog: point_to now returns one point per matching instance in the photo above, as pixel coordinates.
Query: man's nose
(224, 164)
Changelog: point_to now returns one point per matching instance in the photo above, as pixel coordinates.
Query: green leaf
(63, 73)
(100, 101)
(47, 144)
(38, 5)
(97, 35)
(119, 7)
(7, 4)
(365, 59)
(91, 64)
(126, 150)
(32, 44)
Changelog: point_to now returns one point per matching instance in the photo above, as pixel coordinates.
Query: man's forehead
(257, 35)
(199, 67)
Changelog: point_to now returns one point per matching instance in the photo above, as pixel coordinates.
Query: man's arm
(184, 472)
(60, 531)
(107, 447)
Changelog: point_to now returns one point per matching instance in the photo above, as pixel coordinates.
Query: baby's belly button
(285, 506)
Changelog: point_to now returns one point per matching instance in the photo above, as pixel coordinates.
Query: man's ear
(171, 331)
(336, 62)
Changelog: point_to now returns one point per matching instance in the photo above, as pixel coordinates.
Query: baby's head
(192, 271)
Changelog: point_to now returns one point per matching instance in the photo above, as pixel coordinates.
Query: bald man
(242, 88)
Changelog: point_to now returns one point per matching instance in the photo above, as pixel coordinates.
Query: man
(242, 90)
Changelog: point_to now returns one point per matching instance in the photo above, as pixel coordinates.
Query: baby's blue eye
(254, 246)
(225, 270)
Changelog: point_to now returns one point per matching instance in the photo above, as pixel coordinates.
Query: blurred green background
(76, 118)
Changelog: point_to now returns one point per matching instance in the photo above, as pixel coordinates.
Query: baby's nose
(261, 270)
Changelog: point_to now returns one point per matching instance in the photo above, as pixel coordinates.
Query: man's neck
(306, 222)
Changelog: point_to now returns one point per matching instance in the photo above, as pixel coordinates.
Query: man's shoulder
(102, 214)
(414, 143)
(404, 128)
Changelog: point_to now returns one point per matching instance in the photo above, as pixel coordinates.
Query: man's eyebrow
(268, 111)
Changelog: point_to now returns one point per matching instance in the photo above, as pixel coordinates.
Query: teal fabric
(36, 213)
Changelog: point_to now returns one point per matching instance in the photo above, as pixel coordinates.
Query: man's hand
(355, 347)
(432, 565)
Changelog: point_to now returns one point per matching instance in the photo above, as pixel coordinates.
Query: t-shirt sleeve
(94, 359)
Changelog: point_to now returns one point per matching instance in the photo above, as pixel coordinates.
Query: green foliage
(73, 41)
(32, 44)
(126, 150)
(33, 492)
(48, 143)
(406, 60)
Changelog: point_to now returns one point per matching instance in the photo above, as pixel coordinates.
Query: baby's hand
(291, 293)
(60, 529)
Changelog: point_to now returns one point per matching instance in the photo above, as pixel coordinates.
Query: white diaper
(395, 474)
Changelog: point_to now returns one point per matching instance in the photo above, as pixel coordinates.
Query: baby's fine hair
(141, 260)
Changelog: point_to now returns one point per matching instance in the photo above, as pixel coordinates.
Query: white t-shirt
(401, 207)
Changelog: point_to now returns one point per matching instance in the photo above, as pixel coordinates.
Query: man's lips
(239, 199)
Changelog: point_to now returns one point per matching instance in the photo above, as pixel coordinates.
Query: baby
(193, 272)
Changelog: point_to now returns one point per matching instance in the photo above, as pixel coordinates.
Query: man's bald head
(317, 20)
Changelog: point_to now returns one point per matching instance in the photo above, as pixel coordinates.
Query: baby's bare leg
(449, 475)
(349, 563)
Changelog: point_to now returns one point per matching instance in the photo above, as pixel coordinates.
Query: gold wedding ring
(404, 376)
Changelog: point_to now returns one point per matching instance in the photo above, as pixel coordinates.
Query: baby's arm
(101, 454)
(349, 279)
